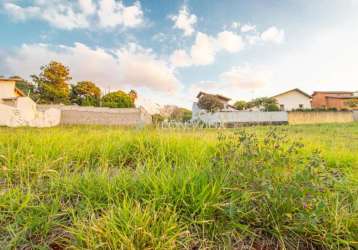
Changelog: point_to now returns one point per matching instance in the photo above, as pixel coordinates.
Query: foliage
(52, 83)
(264, 103)
(97, 187)
(133, 95)
(85, 93)
(157, 119)
(117, 99)
(353, 103)
(210, 103)
(240, 105)
(181, 114)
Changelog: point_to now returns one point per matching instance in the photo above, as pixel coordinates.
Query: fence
(73, 115)
(319, 117)
(239, 117)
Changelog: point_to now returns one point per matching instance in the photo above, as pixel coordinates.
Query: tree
(181, 114)
(133, 95)
(157, 118)
(52, 83)
(240, 105)
(26, 87)
(85, 93)
(264, 103)
(118, 99)
(210, 103)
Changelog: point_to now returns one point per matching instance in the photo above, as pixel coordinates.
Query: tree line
(52, 86)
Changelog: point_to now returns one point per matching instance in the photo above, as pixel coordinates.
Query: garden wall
(250, 117)
(319, 117)
(75, 115)
(355, 115)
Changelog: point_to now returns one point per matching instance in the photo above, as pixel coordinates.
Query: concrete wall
(244, 117)
(355, 116)
(319, 117)
(292, 100)
(73, 115)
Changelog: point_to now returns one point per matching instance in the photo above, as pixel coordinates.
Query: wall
(319, 117)
(244, 117)
(355, 116)
(73, 115)
(292, 100)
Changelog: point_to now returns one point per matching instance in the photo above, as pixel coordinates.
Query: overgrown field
(286, 187)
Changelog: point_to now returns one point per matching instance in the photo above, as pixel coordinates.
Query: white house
(16, 109)
(293, 99)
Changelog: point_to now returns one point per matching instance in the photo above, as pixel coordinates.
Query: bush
(117, 99)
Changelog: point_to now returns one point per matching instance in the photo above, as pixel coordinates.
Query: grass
(287, 187)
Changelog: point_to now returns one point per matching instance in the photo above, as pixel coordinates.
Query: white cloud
(246, 77)
(180, 58)
(230, 41)
(185, 21)
(112, 14)
(205, 47)
(273, 35)
(203, 50)
(130, 67)
(79, 14)
(248, 27)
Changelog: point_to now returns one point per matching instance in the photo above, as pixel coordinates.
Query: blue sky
(168, 50)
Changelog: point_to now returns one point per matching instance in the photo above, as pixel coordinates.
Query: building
(8, 89)
(16, 109)
(196, 111)
(334, 100)
(293, 99)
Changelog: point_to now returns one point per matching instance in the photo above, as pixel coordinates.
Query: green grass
(291, 187)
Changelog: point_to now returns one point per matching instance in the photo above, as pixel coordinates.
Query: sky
(169, 50)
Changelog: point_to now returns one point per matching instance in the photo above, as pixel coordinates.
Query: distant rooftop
(218, 96)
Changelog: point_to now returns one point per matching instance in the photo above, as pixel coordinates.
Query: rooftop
(293, 90)
(218, 96)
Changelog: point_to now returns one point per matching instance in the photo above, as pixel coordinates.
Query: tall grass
(110, 188)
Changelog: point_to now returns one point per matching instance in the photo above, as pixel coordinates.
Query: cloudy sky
(168, 50)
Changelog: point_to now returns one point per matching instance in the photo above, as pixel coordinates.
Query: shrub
(117, 99)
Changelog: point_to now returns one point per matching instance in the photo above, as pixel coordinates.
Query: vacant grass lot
(287, 187)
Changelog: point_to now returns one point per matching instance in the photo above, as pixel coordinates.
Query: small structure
(293, 99)
(335, 99)
(16, 109)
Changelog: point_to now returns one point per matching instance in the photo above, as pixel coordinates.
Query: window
(282, 107)
(300, 106)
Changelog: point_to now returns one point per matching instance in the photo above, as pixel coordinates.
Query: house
(16, 109)
(196, 111)
(334, 99)
(8, 89)
(293, 99)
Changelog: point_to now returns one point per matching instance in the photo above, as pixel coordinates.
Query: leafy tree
(240, 105)
(52, 83)
(118, 99)
(85, 93)
(181, 114)
(264, 103)
(157, 118)
(26, 87)
(210, 103)
(133, 95)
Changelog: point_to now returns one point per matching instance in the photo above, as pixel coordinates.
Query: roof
(342, 97)
(19, 92)
(218, 96)
(7, 80)
(293, 90)
(332, 92)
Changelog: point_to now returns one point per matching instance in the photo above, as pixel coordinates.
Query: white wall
(7, 89)
(244, 117)
(292, 100)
